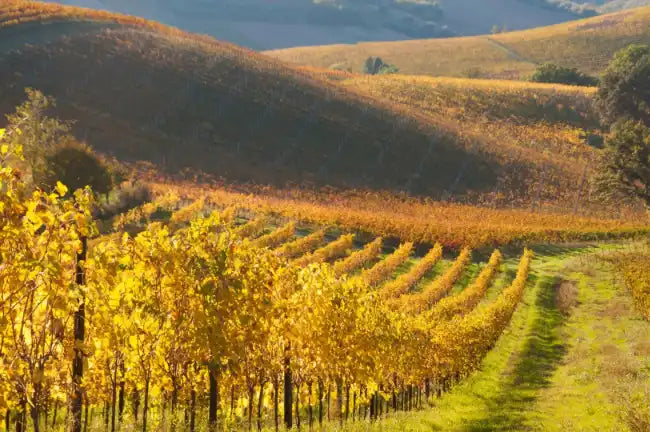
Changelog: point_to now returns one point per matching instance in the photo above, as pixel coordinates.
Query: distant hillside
(263, 24)
(189, 104)
(586, 44)
(605, 6)
(141, 91)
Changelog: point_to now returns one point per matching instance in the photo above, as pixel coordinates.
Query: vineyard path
(564, 361)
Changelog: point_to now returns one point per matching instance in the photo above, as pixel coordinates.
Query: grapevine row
(466, 300)
(359, 258)
(332, 250)
(635, 269)
(475, 334)
(385, 268)
(402, 284)
(276, 237)
(301, 245)
(186, 213)
(252, 228)
(436, 289)
(143, 213)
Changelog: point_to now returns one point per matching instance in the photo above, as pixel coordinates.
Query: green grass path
(552, 369)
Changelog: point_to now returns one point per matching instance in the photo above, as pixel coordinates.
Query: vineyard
(230, 317)
(221, 310)
(293, 247)
(410, 219)
(586, 44)
(541, 118)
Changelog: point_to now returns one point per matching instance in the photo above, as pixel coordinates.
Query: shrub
(552, 73)
(123, 198)
(75, 165)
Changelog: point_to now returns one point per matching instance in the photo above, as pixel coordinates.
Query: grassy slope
(586, 44)
(140, 90)
(551, 370)
(549, 125)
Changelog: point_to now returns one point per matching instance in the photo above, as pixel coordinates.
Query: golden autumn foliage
(467, 299)
(423, 221)
(358, 258)
(586, 44)
(301, 245)
(276, 237)
(458, 345)
(635, 269)
(332, 250)
(404, 282)
(385, 268)
(436, 289)
(172, 306)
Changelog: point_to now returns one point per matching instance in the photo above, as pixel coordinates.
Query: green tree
(31, 129)
(625, 164)
(372, 65)
(375, 65)
(552, 73)
(624, 90)
(75, 165)
(623, 101)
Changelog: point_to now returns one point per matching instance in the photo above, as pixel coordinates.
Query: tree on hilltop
(375, 66)
(552, 73)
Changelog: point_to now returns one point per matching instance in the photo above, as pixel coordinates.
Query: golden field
(585, 44)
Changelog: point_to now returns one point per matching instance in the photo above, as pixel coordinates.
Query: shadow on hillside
(187, 108)
(531, 369)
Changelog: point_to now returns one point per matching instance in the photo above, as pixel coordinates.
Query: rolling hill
(585, 44)
(141, 91)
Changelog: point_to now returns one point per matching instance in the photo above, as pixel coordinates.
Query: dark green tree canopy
(625, 166)
(552, 73)
(624, 91)
(76, 166)
(375, 65)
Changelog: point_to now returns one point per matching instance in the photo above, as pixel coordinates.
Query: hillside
(585, 44)
(538, 117)
(553, 127)
(261, 24)
(141, 91)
